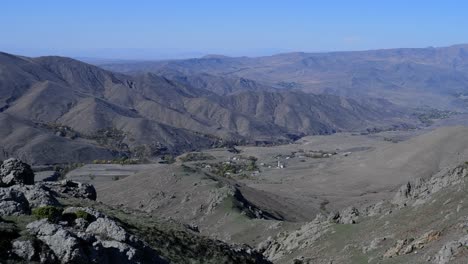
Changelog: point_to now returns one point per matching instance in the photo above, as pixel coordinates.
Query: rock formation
(14, 171)
(81, 234)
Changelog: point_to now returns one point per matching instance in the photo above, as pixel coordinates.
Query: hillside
(341, 198)
(60, 222)
(433, 77)
(221, 85)
(65, 101)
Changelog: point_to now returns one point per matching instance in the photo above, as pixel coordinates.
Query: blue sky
(175, 28)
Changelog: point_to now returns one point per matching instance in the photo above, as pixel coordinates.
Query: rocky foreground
(425, 222)
(60, 222)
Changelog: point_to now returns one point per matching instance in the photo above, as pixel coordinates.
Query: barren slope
(148, 115)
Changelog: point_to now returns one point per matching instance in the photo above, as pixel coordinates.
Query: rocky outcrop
(13, 202)
(37, 195)
(77, 234)
(68, 188)
(406, 246)
(97, 239)
(103, 241)
(401, 247)
(24, 249)
(419, 191)
(347, 216)
(63, 243)
(217, 196)
(20, 199)
(450, 250)
(14, 171)
(286, 242)
(104, 227)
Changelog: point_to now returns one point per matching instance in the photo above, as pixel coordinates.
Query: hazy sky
(175, 28)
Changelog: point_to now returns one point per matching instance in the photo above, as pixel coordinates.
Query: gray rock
(448, 252)
(13, 202)
(409, 245)
(24, 249)
(107, 228)
(65, 245)
(348, 216)
(85, 236)
(193, 227)
(80, 223)
(419, 191)
(118, 252)
(42, 227)
(379, 208)
(47, 256)
(29, 251)
(398, 249)
(14, 171)
(73, 189)
(285, 242)
(37, 195)
(103, 242)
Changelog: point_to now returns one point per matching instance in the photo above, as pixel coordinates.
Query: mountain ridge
(409, 77)
(163, 115)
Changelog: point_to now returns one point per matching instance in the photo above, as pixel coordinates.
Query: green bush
(50, 212)
(168, 159)
(82, 214)
(252, 164)
(72, 216)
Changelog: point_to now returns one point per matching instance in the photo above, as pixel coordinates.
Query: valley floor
(275, 197)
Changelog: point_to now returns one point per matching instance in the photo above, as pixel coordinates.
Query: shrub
(50, 212)
(82, 214)
(72, 216)
(168, 159)
(252, 158)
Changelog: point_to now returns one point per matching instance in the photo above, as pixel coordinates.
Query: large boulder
(103, 242)
(24, 249)
(348, 216)
(65, 245)
(73, 189)
(106, 227)
(13, 202)
(14, 171)
(116, 252)
(37, 195)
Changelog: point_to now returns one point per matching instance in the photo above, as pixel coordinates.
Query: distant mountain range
(420, 77)
(56, 110)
